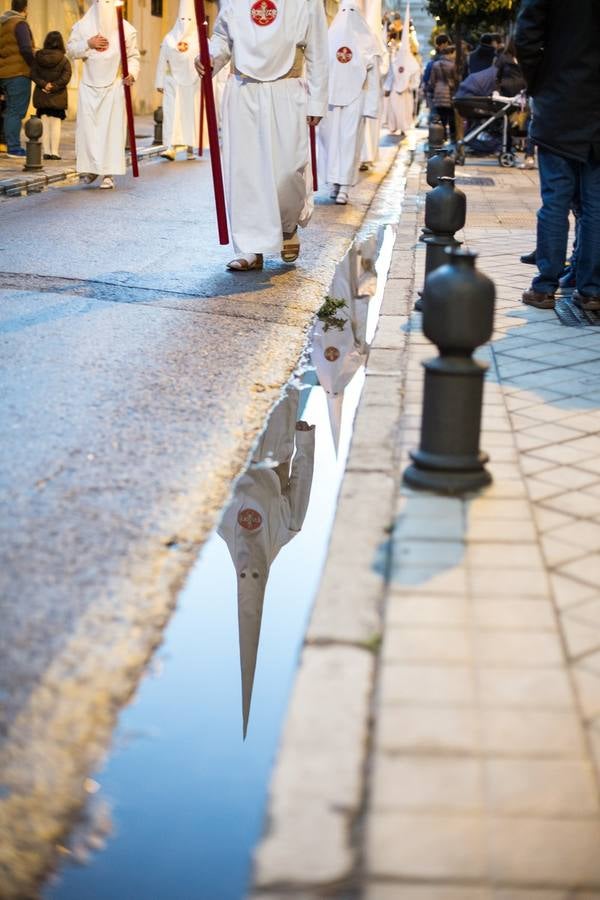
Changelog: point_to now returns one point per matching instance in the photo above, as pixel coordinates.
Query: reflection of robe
(267, 511)
(101, 122)
(353, 93)
(265, 134)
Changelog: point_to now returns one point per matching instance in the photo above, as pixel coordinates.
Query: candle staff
(127, 89)
(100, 136)
(203, 64)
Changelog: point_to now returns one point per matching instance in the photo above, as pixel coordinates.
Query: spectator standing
(482, 57)
(51, 72)
(443, 85)
(16, 59)
(441, 42)
(560, 58)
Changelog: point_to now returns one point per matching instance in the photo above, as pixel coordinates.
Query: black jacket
(481, 58)
(560, 57)
(51, 66)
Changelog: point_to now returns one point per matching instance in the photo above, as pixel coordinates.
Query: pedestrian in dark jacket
(16, 57)
(482, 57)
(443, 84)
(560, 58)
(51, 72)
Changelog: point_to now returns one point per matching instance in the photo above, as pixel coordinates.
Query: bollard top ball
(34, 128)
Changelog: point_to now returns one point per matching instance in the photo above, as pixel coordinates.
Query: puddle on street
(179, 806)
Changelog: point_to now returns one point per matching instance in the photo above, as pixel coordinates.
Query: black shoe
(48, 156)
(530, 259)
(569, 279)
(588, 304)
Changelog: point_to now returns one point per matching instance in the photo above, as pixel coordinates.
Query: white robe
(177, 77)
(354, 88)
(101, 118)
(266, 161)
(402, 80)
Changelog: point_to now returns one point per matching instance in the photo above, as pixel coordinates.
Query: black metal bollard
(458, 317)
(33, 130)
(439, 166)
(158, 126)
(445, 214)
(436, 137)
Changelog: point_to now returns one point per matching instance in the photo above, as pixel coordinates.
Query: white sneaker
(529, 163)
(342, 197)
(107, 183)
(169, 154)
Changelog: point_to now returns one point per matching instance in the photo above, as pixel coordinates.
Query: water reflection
(186, 793)
(267, 511)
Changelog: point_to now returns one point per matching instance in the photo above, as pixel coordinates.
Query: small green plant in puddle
(327, 314)
(373, 643)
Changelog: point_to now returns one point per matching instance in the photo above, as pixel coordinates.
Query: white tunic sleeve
(316, 55)
(161, 69)
(219, 44)
(77, 45)
(371, 107)
(133, 54)
(301, 478)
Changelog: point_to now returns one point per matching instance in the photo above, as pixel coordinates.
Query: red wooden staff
(313, 156)
(128, 103)
(201, 132)
(211, 121)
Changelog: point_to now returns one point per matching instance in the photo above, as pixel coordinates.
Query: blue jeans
(563, 183)
(18, 95)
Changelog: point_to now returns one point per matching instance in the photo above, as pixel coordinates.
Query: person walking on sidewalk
(560, 58)
(178, 82)
(443, 84)
(51, 72)
(16, 59)
(101, 123)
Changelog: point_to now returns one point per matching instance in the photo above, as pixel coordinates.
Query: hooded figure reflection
(339, 340)
(267, 511)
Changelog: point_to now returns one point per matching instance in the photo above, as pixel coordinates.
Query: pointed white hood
(184, 31)
(352, 47)
(103, 15)
(404, 64)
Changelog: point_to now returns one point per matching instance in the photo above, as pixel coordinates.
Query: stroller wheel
(507, 160)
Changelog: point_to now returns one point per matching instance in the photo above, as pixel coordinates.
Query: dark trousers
(446, 114)
(566, 183)
(18, 95)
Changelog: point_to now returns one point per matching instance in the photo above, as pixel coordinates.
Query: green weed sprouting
(327, 314)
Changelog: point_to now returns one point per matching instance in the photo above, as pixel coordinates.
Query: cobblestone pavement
(467, 747)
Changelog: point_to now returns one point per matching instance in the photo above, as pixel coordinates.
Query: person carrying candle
(277, 88)
(178, 82)
(101, 124)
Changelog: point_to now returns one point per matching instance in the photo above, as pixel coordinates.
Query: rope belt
(296, 71)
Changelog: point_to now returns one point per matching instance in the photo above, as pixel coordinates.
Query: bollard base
(418, 307)
(446, 482)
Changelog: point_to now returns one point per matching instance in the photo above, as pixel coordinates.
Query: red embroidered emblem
(183, 46)
(401, 69)
(344, 55)
(263, 12)
(249, 519)
(332, 354)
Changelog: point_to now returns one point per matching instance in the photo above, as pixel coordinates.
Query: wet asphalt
(136, 374)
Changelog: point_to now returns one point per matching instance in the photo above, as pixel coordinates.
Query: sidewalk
(443, 739)
(15, 181)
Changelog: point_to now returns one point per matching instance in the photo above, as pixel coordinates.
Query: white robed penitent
(353, 93)
(403, 77)
(176, 76)
(372, 11)
(267, 511)
(101, 118)
(265, 134)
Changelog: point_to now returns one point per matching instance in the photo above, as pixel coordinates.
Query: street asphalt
(136, 374)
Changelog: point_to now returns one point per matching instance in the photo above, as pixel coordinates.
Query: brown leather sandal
(245, 263)
(290, 250)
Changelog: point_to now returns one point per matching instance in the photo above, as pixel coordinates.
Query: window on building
(157, 8)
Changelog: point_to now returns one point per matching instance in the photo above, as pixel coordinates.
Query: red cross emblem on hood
(401, 69)
(183, 46)
(263, 12)
(344, 55)
(250, 519)
(332, 354)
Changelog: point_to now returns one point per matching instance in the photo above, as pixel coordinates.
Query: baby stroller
(488, 110)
